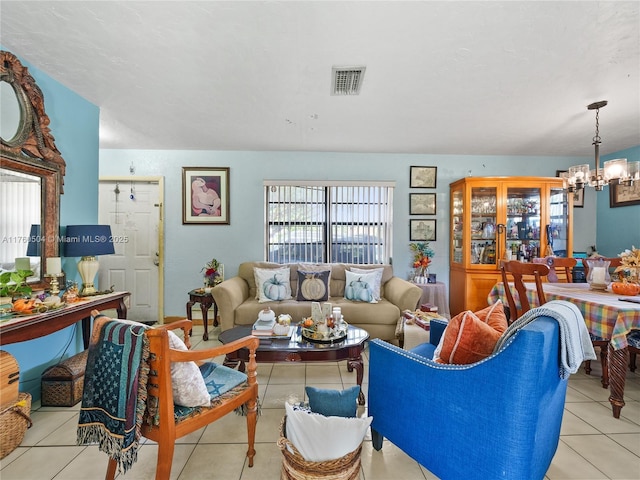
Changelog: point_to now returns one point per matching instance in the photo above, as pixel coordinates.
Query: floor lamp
(87, 242)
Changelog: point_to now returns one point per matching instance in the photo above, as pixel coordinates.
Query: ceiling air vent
(347, 80)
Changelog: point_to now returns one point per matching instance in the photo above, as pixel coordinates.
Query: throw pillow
(187, 383)
(333, 403)
(313, 286)
(358, 287)
(272, 284)
(470, 337)
(319, 438)
(377, 279)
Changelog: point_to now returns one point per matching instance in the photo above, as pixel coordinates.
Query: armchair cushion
(333, 403)
(188, 385)
(470, 336)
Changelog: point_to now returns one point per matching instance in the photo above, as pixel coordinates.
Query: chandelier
(617, 171)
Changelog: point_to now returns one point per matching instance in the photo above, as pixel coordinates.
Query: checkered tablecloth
(605, 315)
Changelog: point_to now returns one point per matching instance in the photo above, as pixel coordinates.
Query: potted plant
(14, 284)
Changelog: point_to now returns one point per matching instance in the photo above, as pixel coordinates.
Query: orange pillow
(470, 337)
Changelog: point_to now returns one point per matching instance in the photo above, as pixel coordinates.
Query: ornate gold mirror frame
(32, 151)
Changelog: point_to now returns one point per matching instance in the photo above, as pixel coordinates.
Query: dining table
(606, 314)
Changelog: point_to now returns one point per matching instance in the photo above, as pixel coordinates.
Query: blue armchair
(497, 418)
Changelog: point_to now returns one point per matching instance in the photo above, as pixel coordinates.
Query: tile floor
(593, 445)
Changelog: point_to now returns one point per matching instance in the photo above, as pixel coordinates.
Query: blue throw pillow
(333, 403)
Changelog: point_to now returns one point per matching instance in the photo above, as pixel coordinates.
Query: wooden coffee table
(297, 349)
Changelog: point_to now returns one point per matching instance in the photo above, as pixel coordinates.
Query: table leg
(618, 361)
(86, 331)
(215, 314)
(205, 320)
(357, 365)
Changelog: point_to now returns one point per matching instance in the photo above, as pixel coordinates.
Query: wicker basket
(295, 467)
(14, 421)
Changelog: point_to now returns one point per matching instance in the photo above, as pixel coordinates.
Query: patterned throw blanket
(115, 390)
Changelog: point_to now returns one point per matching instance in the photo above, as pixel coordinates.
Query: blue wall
(618, 228)
(188, 247)
(75, 126)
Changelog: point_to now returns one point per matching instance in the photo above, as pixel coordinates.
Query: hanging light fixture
(613, 171)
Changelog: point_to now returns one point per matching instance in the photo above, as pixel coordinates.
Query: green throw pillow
(333, 403)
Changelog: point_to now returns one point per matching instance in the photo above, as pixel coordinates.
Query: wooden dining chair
(560, 268)
(514, 274)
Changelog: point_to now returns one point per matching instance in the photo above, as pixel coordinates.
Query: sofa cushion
(272, 284)
(333, 403)
(470, 337)
(313, 286)
(377, 279)
(359, 287)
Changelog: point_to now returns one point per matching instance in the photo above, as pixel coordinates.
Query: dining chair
(560, 268)
(514, 274)
(170, 377)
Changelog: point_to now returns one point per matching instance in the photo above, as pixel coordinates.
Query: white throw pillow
(359, 287)
(319, 438)
(272, 284)
(189, 389)
(377, 281)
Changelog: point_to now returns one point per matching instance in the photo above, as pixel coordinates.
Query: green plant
(14, 284)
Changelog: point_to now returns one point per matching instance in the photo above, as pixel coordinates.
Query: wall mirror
(31, 173)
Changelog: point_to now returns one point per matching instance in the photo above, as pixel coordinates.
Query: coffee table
(298, 349)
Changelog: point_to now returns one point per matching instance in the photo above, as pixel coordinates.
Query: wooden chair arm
(186, 325)
(249, 342)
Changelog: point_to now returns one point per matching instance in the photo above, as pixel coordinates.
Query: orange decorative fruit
(625, 288)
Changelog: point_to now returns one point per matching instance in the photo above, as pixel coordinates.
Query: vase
(598, 278)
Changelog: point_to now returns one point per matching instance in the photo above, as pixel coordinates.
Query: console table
(23, 328)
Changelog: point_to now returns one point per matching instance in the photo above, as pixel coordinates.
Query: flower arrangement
(213, 273)
(422, 254)
(630, 265)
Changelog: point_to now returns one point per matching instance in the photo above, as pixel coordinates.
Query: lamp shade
(34, 247)
(88, 241)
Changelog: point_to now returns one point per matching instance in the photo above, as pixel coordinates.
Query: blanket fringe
(88, 434)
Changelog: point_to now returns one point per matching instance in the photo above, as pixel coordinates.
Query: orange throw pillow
(470, 336)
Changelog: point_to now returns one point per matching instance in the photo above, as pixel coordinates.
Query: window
(347, 222)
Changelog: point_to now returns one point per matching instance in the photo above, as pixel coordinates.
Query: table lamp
(88, 241)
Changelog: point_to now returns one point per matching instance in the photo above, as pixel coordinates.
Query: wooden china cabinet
(495, 218)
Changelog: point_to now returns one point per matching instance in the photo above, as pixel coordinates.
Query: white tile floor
(593, 445)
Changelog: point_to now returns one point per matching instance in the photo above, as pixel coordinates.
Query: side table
(436, 294)
(206, 301)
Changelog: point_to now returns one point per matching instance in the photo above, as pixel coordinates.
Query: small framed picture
(431, 278)
(423, 177)
(422, 203)
(205, 195)
(623, 196)
(423, 230)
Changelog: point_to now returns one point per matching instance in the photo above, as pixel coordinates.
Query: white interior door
(133, 209)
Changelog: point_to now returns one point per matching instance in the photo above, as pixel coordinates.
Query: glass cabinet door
(558, 230)
(523, 227)
(457, 226)
(484, 225)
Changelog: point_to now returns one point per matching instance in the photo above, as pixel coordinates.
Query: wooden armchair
(519, 273)
(161, 425)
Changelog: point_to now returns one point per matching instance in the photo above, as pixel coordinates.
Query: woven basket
(14, 421)
(295, 467)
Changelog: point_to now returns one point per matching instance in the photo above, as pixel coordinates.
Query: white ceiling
(483, 77)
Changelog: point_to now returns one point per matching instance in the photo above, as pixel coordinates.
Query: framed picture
(423, 177)
(423, 230)
(578, 197)
(205, 195)
(422, 203)
(623, 196)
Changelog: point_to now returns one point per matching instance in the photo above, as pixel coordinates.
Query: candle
(598, 275)
(23, 263)
(54, 266)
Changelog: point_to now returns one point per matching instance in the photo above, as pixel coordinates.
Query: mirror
(31, 176)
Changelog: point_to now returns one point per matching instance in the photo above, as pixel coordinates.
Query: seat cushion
(333, 403)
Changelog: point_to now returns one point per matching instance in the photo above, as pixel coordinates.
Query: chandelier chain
(596, 138)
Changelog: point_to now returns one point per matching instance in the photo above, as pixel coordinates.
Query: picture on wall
(205, 195)
(423, 177)
(623, 195)
(422, 203)
(423, 230)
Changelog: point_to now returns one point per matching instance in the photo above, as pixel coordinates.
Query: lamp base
(88, 267)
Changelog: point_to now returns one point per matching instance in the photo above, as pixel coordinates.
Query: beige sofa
(237, 303)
